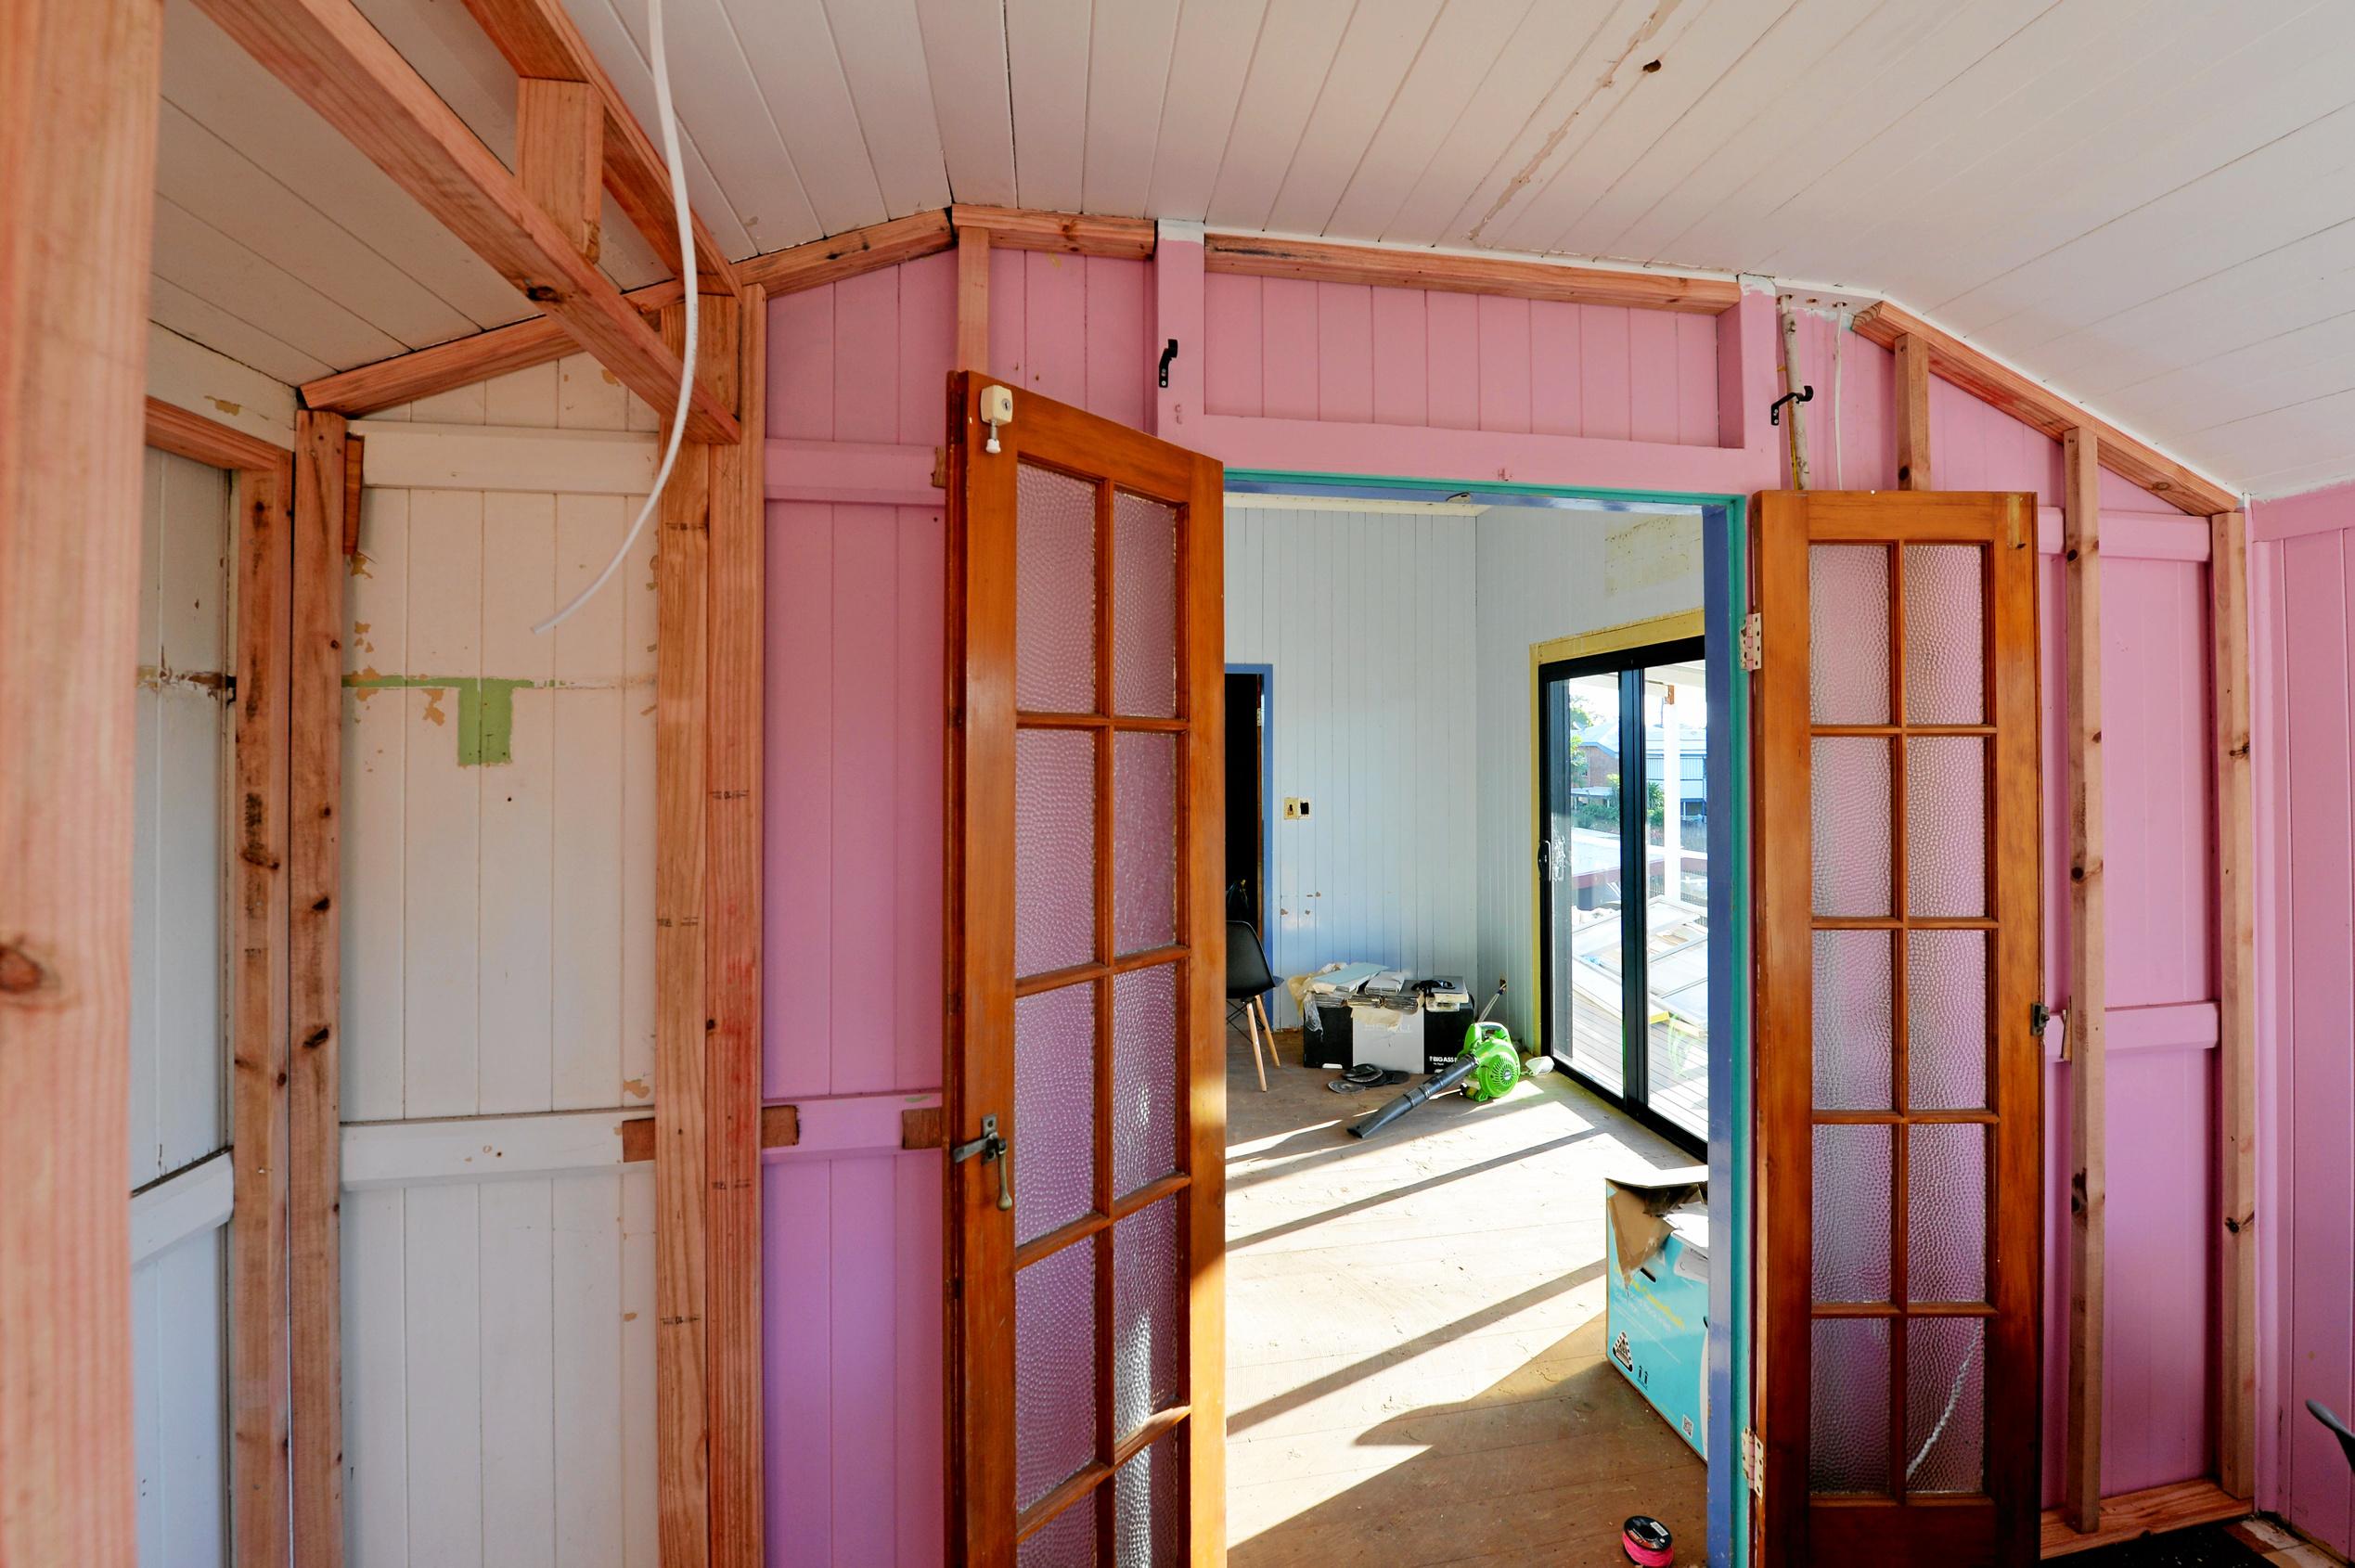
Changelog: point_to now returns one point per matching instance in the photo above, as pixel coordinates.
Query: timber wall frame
(537, 225)
(2086, 1519)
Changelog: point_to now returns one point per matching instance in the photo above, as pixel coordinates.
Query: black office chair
(2339, 1430)
(1248, 977)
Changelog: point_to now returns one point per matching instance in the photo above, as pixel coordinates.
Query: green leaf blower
(1487, 1070)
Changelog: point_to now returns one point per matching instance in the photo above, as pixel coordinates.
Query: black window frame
(1635, 912)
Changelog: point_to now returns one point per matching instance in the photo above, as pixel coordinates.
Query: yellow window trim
(1609, 639)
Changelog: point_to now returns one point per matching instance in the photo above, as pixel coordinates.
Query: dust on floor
(1416, 1370)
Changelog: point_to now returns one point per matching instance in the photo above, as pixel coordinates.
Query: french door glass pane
(1144, 840)
(1144, 1099)
(1068, 1540)
(1054, 1348)
(1945, 1404)
(1054, 849)
(1054, 592)
(1676, 932)
(1054, 1108)
(1848, 1394)
(1587, 868)
(1144, 607)
(1147, 1506)
(1147, 1254)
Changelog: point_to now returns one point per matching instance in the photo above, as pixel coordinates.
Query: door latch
(991, 1147)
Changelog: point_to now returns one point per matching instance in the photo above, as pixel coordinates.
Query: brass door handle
(991, 1147)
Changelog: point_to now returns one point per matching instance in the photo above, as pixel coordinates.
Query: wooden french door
(1900, 1085)
(1086, 946)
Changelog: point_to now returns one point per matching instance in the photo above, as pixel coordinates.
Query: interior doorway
(1249, 748)
(1410, 1314)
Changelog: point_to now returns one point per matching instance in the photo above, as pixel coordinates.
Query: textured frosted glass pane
(1946, 1020)
(1148, 1317)
(1144, 1027)
(1851, 811)
(1945, 1404)
(1848, 633)
(1848, 1405)
(1054, 849)
(1946, 1218)
(1149, 1508)
(1144, 607)
(1945, 635)
(1946, 825)
(1054, 1370)
(1853, 1191)
(1054, 592)
(1068, 1540)
(1855, 1055)
(1144, 842)
(1054, 1109)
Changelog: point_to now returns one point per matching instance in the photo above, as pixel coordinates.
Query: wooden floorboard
(2131, 1515)
(1416, 1371)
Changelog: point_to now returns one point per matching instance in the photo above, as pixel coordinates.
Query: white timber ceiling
(2149, 204)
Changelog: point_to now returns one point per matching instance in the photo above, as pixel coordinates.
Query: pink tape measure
(1646, 1542)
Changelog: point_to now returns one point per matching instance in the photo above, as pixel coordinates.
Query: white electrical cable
(686, 355)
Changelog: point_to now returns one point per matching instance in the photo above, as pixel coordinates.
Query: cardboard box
(1656, 1314)
(1388, 1037)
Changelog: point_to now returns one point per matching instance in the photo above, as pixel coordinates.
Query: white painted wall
(498, 1323)
(1367, 617)
(179, 998)
(1543, 573)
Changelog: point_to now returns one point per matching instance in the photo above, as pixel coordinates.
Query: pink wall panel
(855, 764)
(1278, 347)
(2304, 591)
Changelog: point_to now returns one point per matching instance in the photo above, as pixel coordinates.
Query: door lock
(991, 1147)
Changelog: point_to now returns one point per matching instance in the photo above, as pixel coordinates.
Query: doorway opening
(1411, 1314)
(1249, 747)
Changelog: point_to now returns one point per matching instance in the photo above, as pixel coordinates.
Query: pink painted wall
(853, 941)
(2302, 600)
(1471, 388)
(2161, 1331)
(1279, 348)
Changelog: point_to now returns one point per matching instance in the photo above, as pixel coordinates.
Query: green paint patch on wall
(486, 715)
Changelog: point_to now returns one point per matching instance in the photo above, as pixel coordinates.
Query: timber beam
(541, 42)
(340, 65)
(2041, 408)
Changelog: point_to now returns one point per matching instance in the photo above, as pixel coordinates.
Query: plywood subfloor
(1415, 1354)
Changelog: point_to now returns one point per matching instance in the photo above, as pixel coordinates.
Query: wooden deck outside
(1416, 1370)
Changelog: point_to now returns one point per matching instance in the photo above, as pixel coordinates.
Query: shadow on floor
(1417, 1371)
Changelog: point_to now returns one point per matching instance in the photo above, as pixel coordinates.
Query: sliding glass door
(1623, 877)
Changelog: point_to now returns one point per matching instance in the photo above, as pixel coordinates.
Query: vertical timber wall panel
(178, 1041)
(497, 960)
(2302, 583)
(1356, 689)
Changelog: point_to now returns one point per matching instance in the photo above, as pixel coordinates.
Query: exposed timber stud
(972, 300)
(2081, 1466)
(732, 961)
(260, 1394)
(2236, 1005)
(1913, 392)
(559, 152)
(325, 489)
(681, 1151)
(78, 105)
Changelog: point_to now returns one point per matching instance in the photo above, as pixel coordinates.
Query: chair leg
(1270, 1029)
(1251, 1020)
